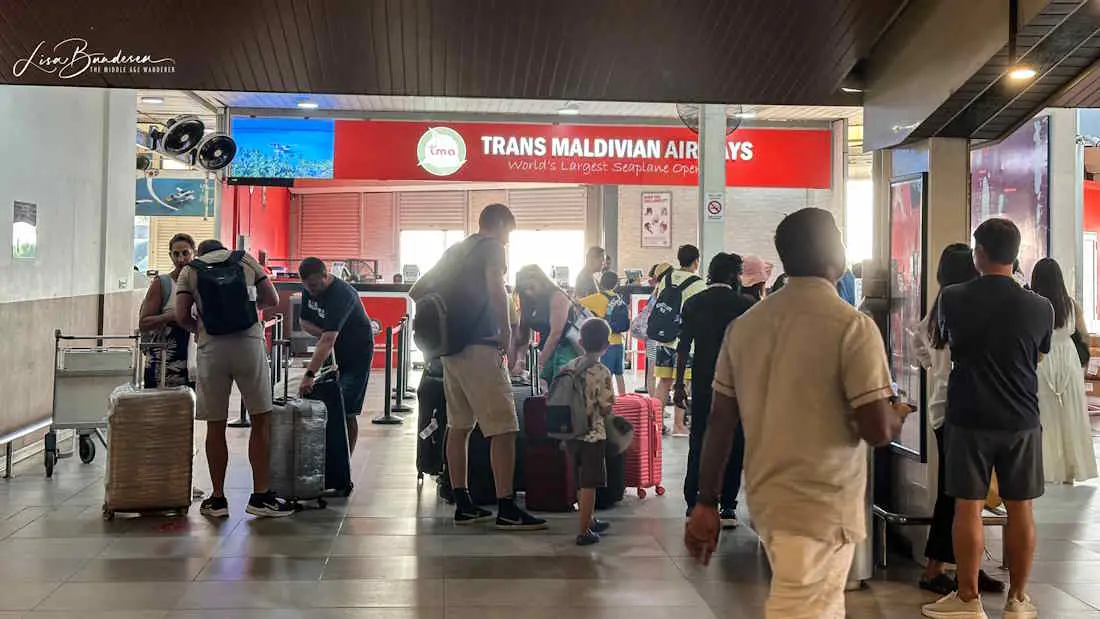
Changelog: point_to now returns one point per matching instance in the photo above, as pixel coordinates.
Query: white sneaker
(951, 607)
(1021, 609)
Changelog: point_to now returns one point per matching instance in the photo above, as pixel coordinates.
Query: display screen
(1011, 180)
(283, 147)
(906, 300)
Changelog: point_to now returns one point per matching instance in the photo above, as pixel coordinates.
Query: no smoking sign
(715, 206)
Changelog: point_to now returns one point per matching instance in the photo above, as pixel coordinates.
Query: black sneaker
(519, 520)
(599, 526)
(215, 507)
(267, 505)
(942, 584)
(590, 537)
(472, 515)
(728, 517)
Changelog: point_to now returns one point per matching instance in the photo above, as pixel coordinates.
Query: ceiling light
(152, 100)
(850, 90)
(1021, 72)
(569, 110)
(307, 105)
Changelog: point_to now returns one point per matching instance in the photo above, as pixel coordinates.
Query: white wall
(70, 151)
(751, 217)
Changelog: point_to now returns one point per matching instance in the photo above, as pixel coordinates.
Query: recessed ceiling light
(308, 105)
(745, 115)
(569, 110)
(152, 100)
(1022, 72)
(850, 90)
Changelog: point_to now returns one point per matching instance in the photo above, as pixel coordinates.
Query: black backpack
(664, 318)
(222, 290)
(447, 307)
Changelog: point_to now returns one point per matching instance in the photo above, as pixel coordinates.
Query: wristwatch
(310, 374)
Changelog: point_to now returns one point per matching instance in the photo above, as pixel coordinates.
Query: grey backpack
(566, 410)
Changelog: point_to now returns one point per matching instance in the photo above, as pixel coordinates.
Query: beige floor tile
(387, 545)
(262, 568)
(139, 570)
(166, 547)
(424, 612)
(385, 568)
(101, 596)
(273, 546)
(332, 594)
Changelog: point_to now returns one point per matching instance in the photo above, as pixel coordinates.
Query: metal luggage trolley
(84, 378)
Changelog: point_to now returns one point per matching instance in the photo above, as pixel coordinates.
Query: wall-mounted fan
(689, 115)
(184, 138)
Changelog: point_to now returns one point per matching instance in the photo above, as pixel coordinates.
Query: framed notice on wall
(656, 219)
(24, 231)
(908, 200)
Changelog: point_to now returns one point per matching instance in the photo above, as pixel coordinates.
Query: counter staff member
(332, 312)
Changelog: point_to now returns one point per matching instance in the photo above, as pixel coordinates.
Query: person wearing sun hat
(755, 275)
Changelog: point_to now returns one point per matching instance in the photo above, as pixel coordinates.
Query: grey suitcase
(298, 450)
(298, 447)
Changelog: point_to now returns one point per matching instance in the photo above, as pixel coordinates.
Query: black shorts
(973, 455)
(591, 461)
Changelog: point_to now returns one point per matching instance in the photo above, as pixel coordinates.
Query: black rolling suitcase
(615, 490)
(431, 444)
(337, 451)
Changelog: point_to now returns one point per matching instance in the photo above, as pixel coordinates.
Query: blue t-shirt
(338, 309)
(846, 287)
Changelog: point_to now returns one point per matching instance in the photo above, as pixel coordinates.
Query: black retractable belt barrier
(387, 417)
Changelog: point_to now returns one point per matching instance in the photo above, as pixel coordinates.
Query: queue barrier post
(400, 367)
(387, 418)
(408, 393)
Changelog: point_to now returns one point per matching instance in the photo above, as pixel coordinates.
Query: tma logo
(441, 151)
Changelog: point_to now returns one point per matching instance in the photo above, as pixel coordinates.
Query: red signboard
(612, 154)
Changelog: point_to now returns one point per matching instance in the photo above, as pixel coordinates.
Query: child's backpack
(566, 410)
(618, 314)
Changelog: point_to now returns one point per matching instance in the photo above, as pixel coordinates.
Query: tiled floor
(390, 552)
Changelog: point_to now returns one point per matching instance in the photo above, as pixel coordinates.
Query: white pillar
(1067, 193)
(712, 182)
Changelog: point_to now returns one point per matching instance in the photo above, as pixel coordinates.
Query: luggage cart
(84, 378)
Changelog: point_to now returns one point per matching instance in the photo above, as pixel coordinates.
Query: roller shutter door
(330, 226)
(161, 231)
(379, 233)
(549, 209)
(431, 210)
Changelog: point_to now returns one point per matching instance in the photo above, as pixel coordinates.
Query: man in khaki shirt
(807, 376)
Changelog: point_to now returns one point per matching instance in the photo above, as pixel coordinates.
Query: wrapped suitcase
(298, 444)
(642, 460)
(298, 450)
(431, 443)
(149, 463)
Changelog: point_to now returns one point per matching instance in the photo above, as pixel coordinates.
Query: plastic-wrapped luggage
(431, 444)
(642, 461)
(150, 460)
(298, 450)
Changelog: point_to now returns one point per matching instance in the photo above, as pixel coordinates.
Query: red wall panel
(261, 213)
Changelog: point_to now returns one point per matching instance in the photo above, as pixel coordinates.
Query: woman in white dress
(1067, 435)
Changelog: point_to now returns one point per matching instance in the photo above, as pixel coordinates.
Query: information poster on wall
(907, 199)
(24, 231)
(656, 219)
(1011, 180)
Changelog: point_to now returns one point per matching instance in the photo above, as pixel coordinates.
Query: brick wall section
(751, 217)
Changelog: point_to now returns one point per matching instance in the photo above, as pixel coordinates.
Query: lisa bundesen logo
(72, 58)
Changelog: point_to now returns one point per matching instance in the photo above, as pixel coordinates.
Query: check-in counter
(385, 304)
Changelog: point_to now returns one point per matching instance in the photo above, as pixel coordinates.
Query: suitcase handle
(282, 349)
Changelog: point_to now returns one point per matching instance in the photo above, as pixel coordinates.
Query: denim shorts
(353, 387)
(613, 359)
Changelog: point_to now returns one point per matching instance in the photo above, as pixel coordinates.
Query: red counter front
(385, 310)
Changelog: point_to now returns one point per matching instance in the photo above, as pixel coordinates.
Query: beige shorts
(808, 577)
(223, 361)
(478, 390)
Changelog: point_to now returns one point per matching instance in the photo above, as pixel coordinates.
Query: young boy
(599, 304)
(591, 448)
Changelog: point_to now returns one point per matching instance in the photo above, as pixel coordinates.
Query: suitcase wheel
(347, 491)
(660, 490)
(108, 515)
(321, 503)
(86, 449)
(641, 493)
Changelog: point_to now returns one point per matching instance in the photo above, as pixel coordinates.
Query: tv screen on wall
(283, 147)
(1011, 179)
